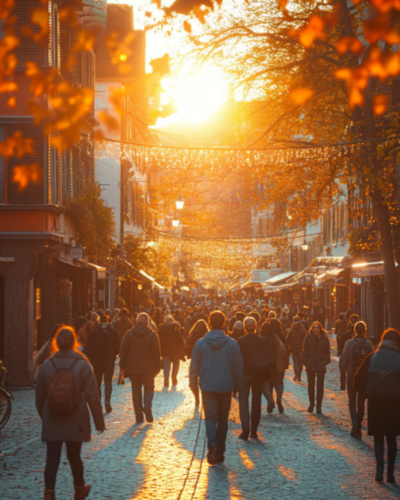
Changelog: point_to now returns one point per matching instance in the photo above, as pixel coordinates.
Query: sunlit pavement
(298, 456)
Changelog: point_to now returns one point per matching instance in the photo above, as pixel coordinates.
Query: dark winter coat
(266, 332)
(296, 336)
(74, 427)
(341, 342)
(140, 352)
(316, 353)
(379, 378)
(102, 346)
(122, 325)
(218, 362)
(171, 342)
(256, 356)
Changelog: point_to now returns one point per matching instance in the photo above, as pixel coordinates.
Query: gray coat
(74, 427)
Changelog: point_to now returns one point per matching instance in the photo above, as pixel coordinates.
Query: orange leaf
(23, 174)
(349, 44)
(187, 26)
(379, 103)
(301, 96)
(312, 32)
(11, 102)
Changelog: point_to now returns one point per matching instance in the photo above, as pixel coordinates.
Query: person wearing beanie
(354, 353)
(379, 379)
(295, 342)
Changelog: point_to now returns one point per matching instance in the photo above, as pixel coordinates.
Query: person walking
(189, 322)
(295, 341)
(340, 330)
(280, 356)
(238, 330)
(200, 328)
(123, 324)
(354, 318)
(172, 349)
(379, 379)
(102, 349)
(65, 385)
(316, 356)
(256, 367)
(217, 362)
(140, 359)
(354, 353)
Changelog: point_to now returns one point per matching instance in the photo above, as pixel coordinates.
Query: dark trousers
(53, 461)
(311, 387)
(216, 409)
(107, 371)
(137, 381)
(356, 403)
(297, 364)
(255, 384)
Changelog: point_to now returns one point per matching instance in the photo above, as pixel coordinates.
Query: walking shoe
(49, 495)
(310, 409)
(81, 492)
(212, 455)
(108, 408)
(299, 378)
(244, 435)
(166, 382)
(139, 420)
(379, 472)
(353, 432)
(174, 381)
(220, 458)
(280, 407)
(148, 414)
(295, 377)
(390, 473)
(319, 410)
(270, 408)
(254, 435)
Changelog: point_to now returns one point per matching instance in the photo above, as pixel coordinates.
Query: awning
(335, 272)
(150, 278)
(158, 285)
(280, 277)
(101, 271)
(369, 268)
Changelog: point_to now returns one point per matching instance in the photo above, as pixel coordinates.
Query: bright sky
(197, 95)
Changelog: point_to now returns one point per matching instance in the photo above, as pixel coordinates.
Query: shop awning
(280, 277)
(101, 271)
(147, 276)
(158, 285)
(336, 272)
(369, 268)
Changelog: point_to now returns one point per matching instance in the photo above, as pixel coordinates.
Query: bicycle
(5, 398)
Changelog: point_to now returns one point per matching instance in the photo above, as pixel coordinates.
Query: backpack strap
(75, 360)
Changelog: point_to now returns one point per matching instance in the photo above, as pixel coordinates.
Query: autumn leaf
(11, 102)
(301, 96)
(109, 121)
(24, 174)
(312, 32)
(349, 44)
(86, 40)
(379, 103)
(161, 65)
(187, 27)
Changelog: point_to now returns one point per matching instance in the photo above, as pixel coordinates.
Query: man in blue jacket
(217, 360)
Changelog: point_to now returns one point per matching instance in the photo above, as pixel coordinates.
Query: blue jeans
(167, 361)
(216, 409)
(141, 401)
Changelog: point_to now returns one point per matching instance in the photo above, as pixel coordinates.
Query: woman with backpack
(65, 386)
(315, 356)
(379, 379)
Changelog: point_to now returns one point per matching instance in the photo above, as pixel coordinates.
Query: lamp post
(175, 222)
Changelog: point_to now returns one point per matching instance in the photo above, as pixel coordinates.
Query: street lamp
(175, 222)
(179, 202)
(304, 246)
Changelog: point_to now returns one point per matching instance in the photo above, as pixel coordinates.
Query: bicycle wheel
(5, 408)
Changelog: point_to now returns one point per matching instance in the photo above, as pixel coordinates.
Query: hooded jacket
(217, 360)
(140, 352)
(346, 359)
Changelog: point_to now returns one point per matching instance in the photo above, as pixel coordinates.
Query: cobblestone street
(298, 455)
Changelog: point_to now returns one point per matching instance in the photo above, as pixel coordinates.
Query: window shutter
(71, 63)
(33, 193)
(27, 50)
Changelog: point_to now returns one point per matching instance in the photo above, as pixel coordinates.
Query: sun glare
(198, 96)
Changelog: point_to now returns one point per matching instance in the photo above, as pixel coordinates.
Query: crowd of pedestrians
(234, 349)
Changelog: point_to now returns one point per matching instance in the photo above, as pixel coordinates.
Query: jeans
(216, 409)
(297, 364)
(167, 361)
(276, 381)
(311, 387)
(53, 461)
(137, 381)
(356, 403)
(254, 383)
(107, 371)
